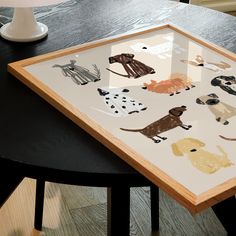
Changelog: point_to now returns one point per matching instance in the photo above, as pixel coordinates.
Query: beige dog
(203, 160)
(221, 110)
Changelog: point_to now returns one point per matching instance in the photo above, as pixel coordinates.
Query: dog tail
(117, 73)
(229, 139)
(131, 130)
(222, 151)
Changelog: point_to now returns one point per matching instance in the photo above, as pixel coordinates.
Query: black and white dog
(227, 83)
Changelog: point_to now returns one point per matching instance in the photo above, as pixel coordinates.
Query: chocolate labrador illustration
(133, 68)
(168, 122)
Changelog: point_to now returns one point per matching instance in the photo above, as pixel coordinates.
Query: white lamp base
(24, 27)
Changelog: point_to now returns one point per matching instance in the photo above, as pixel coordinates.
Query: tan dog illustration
(171, 86)
(203, 160)
(221, 110)
(168, 122)
(200, 62)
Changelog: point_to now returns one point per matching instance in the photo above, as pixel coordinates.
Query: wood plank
(80, 196)
(91, 220)
(56, 218)
(17, 214)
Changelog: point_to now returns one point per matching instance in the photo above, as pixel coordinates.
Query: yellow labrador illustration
(203, 160)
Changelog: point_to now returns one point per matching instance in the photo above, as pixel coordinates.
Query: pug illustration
(221, 110)
(205, 161)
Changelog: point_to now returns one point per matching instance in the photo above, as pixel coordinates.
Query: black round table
(37, 141)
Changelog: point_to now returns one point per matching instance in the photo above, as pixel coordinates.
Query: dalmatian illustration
(227, 83)
(162, 50)
(79, 74)
(119, 104)
(212, 66)
(171, 86)
(133, 68)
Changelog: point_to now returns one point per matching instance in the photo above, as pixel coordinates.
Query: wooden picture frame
(193, 202)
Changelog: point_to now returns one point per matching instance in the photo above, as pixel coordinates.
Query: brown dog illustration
(134, 68)
(171, 86)
(203, 160)
(170, 121)
(221, 110)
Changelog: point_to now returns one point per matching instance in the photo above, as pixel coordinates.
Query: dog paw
(157, 141)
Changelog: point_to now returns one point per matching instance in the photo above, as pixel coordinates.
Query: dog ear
(231, 77)
(176, 150)
(216, 81)
(198, 142)
(128, 55)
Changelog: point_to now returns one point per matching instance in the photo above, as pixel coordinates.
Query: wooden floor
(73, 210)
(233, 13)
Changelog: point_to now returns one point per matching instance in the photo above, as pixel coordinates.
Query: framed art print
(162, 99)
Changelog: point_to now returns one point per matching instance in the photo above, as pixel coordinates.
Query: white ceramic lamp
(24, 27)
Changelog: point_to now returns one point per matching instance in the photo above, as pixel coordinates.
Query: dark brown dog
(171, 121)
(134, 68)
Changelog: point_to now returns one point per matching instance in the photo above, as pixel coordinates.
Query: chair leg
(39, 200)
(154, 195)
(118, 212)
(224, 211)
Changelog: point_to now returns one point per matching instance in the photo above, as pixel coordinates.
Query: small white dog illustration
(162, 50)
(203, 160)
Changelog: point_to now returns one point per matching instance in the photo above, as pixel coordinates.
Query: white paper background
(205, 128)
